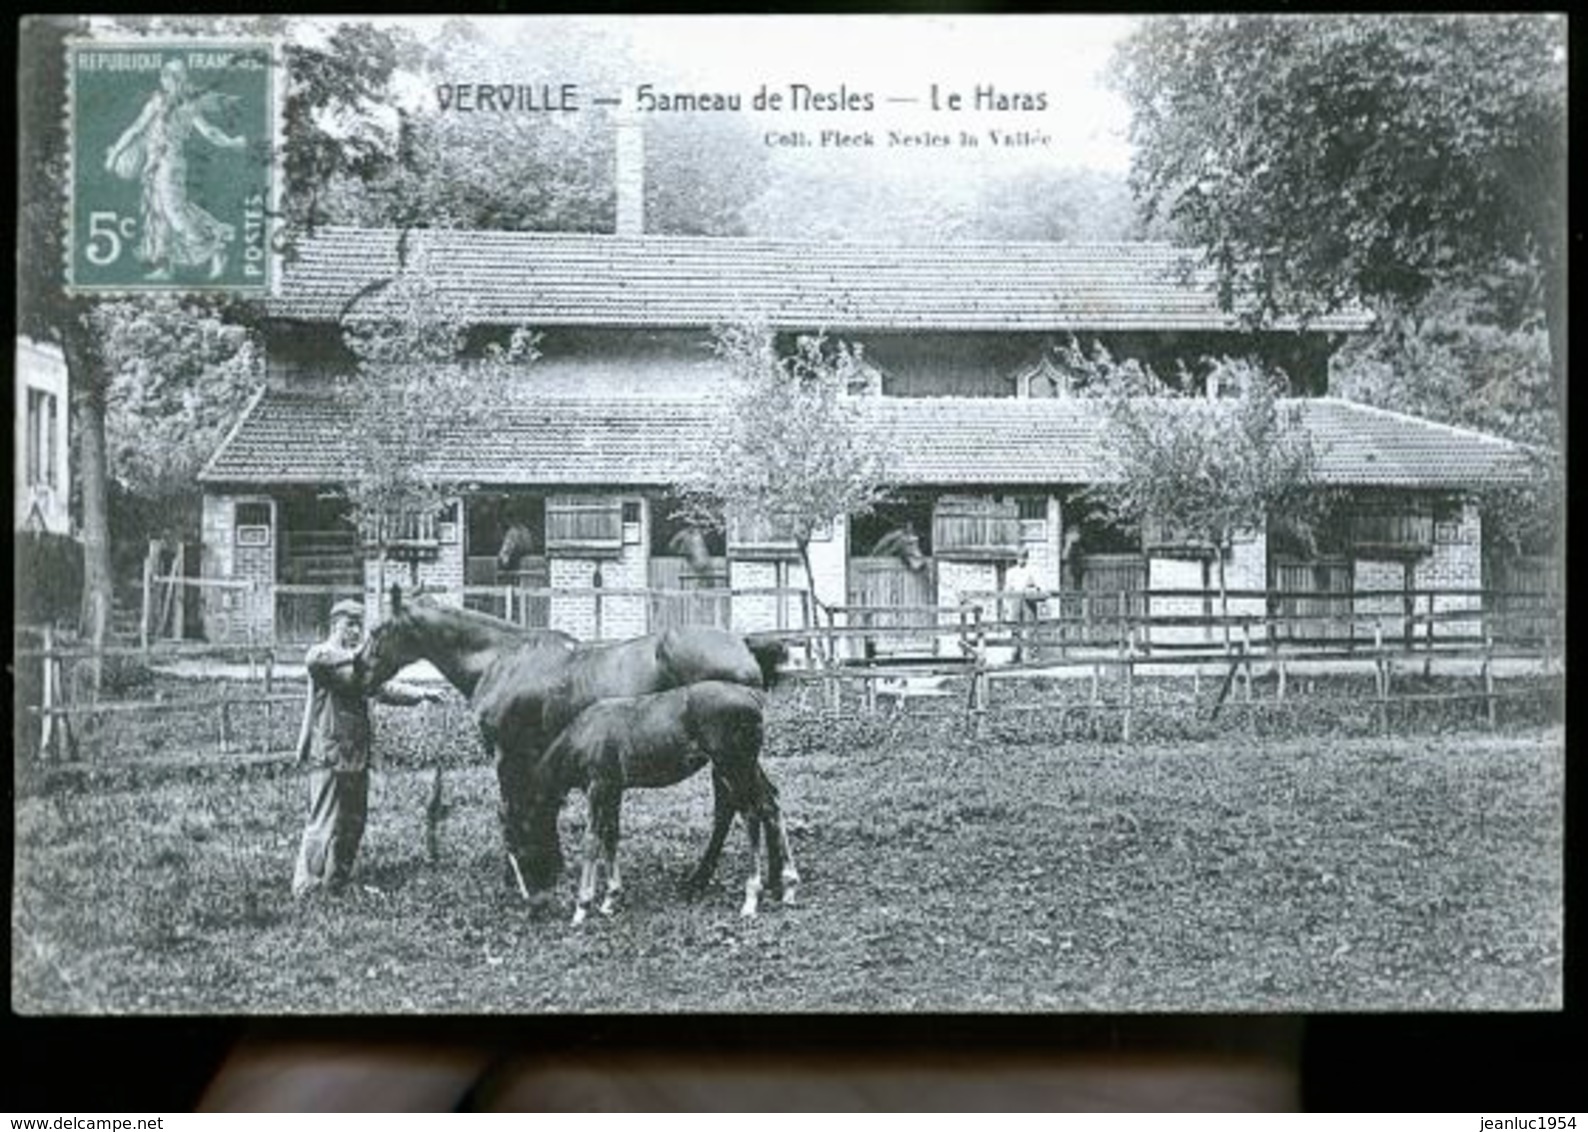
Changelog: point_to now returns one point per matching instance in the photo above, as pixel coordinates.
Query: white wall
(41, 366)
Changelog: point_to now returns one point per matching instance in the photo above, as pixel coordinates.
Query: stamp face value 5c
(171, 166)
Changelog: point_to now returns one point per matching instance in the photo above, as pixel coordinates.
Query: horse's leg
(722, 820)
(756, 881)
(592, 854)
(512, 775)
(763, 800)
(607, 834)
(788, 875)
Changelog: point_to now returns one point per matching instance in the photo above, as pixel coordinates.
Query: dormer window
(1043, 380)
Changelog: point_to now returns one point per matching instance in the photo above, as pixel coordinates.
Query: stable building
(959, 340)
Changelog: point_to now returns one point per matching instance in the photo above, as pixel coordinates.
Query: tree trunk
(1224, 600)
(1555, 321)
(88, 398)
(816, 607)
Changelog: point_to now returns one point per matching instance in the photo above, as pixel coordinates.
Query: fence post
(979, 689)
(596, 584)
(47, 697)
(1488, 671)
(1127, 650)
(1382, 674)
(179, 593)
(1246, 655)
(1274, 654)
(148, 597)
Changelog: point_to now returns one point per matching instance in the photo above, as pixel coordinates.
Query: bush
(49, 578)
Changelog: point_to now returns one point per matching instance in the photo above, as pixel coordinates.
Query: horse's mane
(462, 618)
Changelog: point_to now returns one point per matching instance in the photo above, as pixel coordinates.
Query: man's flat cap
(348, 607)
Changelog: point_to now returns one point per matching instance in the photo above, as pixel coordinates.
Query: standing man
(336, 729)
(1020, 579)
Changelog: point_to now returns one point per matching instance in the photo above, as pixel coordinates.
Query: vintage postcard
(999, 514)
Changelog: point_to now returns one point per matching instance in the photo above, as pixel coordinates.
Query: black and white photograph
(985, 514)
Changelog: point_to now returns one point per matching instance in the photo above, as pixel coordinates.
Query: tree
(544, 172)
(1326, 158)
(413, 394)
(1452, 358)
(336, 127)
(789, 448)
(331, 90)
(44, 310)
(179, 372)
(1055, 204)
(1205, 470)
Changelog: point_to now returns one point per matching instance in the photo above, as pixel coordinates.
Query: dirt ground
(1247, 870)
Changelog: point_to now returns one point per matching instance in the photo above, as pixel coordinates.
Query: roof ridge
(793, 241)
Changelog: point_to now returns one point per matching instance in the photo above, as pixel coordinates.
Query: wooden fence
(975, 646)
(1113, 651)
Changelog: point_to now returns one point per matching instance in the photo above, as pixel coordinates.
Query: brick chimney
(630, 174)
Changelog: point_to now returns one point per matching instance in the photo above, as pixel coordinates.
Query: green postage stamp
(172, 169)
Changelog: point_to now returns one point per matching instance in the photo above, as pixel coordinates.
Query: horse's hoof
(578, 916)
(608, 907)
(748, 911)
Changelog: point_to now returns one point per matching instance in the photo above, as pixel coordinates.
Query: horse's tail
(769, 655)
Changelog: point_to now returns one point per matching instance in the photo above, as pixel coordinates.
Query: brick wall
(954, 581)
(1177, 574)
(1245, 568)
(830, 564)
(230, 613)
(223, 609)
(1455, 564)
(1375, 574)
(624, 617)
(441, 576)
(620, 616)
(1044, 555)
(755, 612)
(573, 613)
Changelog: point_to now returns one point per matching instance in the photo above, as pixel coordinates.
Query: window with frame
(252, 521)
(1032, 511)
(42, 425)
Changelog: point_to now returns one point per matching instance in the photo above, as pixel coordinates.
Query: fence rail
(993, 637)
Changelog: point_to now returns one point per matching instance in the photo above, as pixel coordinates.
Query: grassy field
(1237, 871)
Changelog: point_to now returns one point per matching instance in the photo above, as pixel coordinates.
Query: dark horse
(516, 544)
(904, 544)
(526, 686)
(658, 740)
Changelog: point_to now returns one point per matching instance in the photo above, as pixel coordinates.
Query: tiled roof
(299, 439)
(581, 279)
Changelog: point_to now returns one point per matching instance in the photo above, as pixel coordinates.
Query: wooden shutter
(1393, 528)
(975, 527)
(580, 525)
(752, 537)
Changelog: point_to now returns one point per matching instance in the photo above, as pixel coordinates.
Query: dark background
(1502, 1064)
